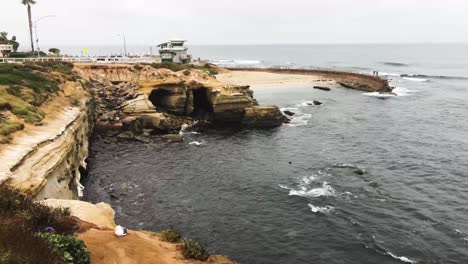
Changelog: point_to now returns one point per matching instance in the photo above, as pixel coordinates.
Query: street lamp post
(37, 38)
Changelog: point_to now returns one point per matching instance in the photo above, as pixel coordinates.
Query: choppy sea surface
(358, 179)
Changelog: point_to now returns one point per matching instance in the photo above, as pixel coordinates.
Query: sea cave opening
(202, 107)
(158, 97)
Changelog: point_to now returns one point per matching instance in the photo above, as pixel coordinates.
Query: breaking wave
(414, 79)
(401, 91)
(423, 76)
(379, 95)
(304, 190)
(318, 209)
(402, 258)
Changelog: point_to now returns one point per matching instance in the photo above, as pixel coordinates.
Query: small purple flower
(49, 229)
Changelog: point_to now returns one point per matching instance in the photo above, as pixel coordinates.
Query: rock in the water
(358, 172)
(127, 135)
(263, 117)
(317, 102)
(322, 88)
(289, 113)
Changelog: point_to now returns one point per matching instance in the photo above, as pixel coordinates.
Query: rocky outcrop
(263, 117)
(164, 100)
(101, 214)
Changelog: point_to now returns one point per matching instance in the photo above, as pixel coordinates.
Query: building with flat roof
(174, 51)
(5, 49)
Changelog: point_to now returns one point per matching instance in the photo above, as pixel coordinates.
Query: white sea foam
(300, 120)
(284, 187)
(304, 191)
(195, 143)
(289, 109)
(414, 79)
(379, 95)
(402, 258)
(318, 209)
(401, 91)
(305, 104)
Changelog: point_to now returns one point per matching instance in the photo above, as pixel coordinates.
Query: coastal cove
(354, 180)
(292, 169)
(45, 157)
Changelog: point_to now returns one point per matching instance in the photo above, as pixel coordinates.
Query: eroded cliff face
(169, 99)
(45, 160)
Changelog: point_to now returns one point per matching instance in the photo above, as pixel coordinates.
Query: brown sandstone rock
(263, 117)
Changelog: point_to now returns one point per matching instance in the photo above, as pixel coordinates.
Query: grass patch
(21, 222)
(193, 250)
(27, 75)
(171, 236)
(175, 67)
(19, 107)
(8, 127)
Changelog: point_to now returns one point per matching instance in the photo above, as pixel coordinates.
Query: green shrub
(186, 72)
(20, 220)
(26, 54)
(193, 250)
(71, 249)
(27, 75)
(175, 67)
(20, 245)
(171, 236)
(35, 216)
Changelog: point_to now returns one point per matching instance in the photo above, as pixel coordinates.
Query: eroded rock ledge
(143, 97)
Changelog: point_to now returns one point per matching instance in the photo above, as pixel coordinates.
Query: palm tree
(28, 3)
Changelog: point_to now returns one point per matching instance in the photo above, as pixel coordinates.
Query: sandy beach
(267, 78)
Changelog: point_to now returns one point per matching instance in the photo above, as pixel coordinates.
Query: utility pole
(124, 44)
(37, 38)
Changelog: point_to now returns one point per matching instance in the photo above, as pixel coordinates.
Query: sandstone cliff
(44, 160)
(165, 100)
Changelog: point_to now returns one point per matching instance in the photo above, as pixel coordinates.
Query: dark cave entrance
(202, 107)
(158, 97)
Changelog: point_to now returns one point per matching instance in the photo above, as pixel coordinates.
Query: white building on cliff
(5, 49)
(174, 51)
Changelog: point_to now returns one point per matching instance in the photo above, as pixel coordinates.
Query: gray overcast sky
(145, 22)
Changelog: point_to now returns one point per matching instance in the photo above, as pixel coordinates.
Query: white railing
(105, 60)
(299, 69)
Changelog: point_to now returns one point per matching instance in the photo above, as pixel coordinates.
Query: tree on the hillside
(28, 3)
(54, 51)
(4, 40)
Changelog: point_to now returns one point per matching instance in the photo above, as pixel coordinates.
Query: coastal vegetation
(23, 89)
(194, 250)
(175, 67)
(171, 236)
(55, 51)
(34, 233)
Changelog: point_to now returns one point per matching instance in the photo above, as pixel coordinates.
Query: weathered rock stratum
(145, 97)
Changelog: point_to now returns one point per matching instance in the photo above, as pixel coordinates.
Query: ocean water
(358, 179)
